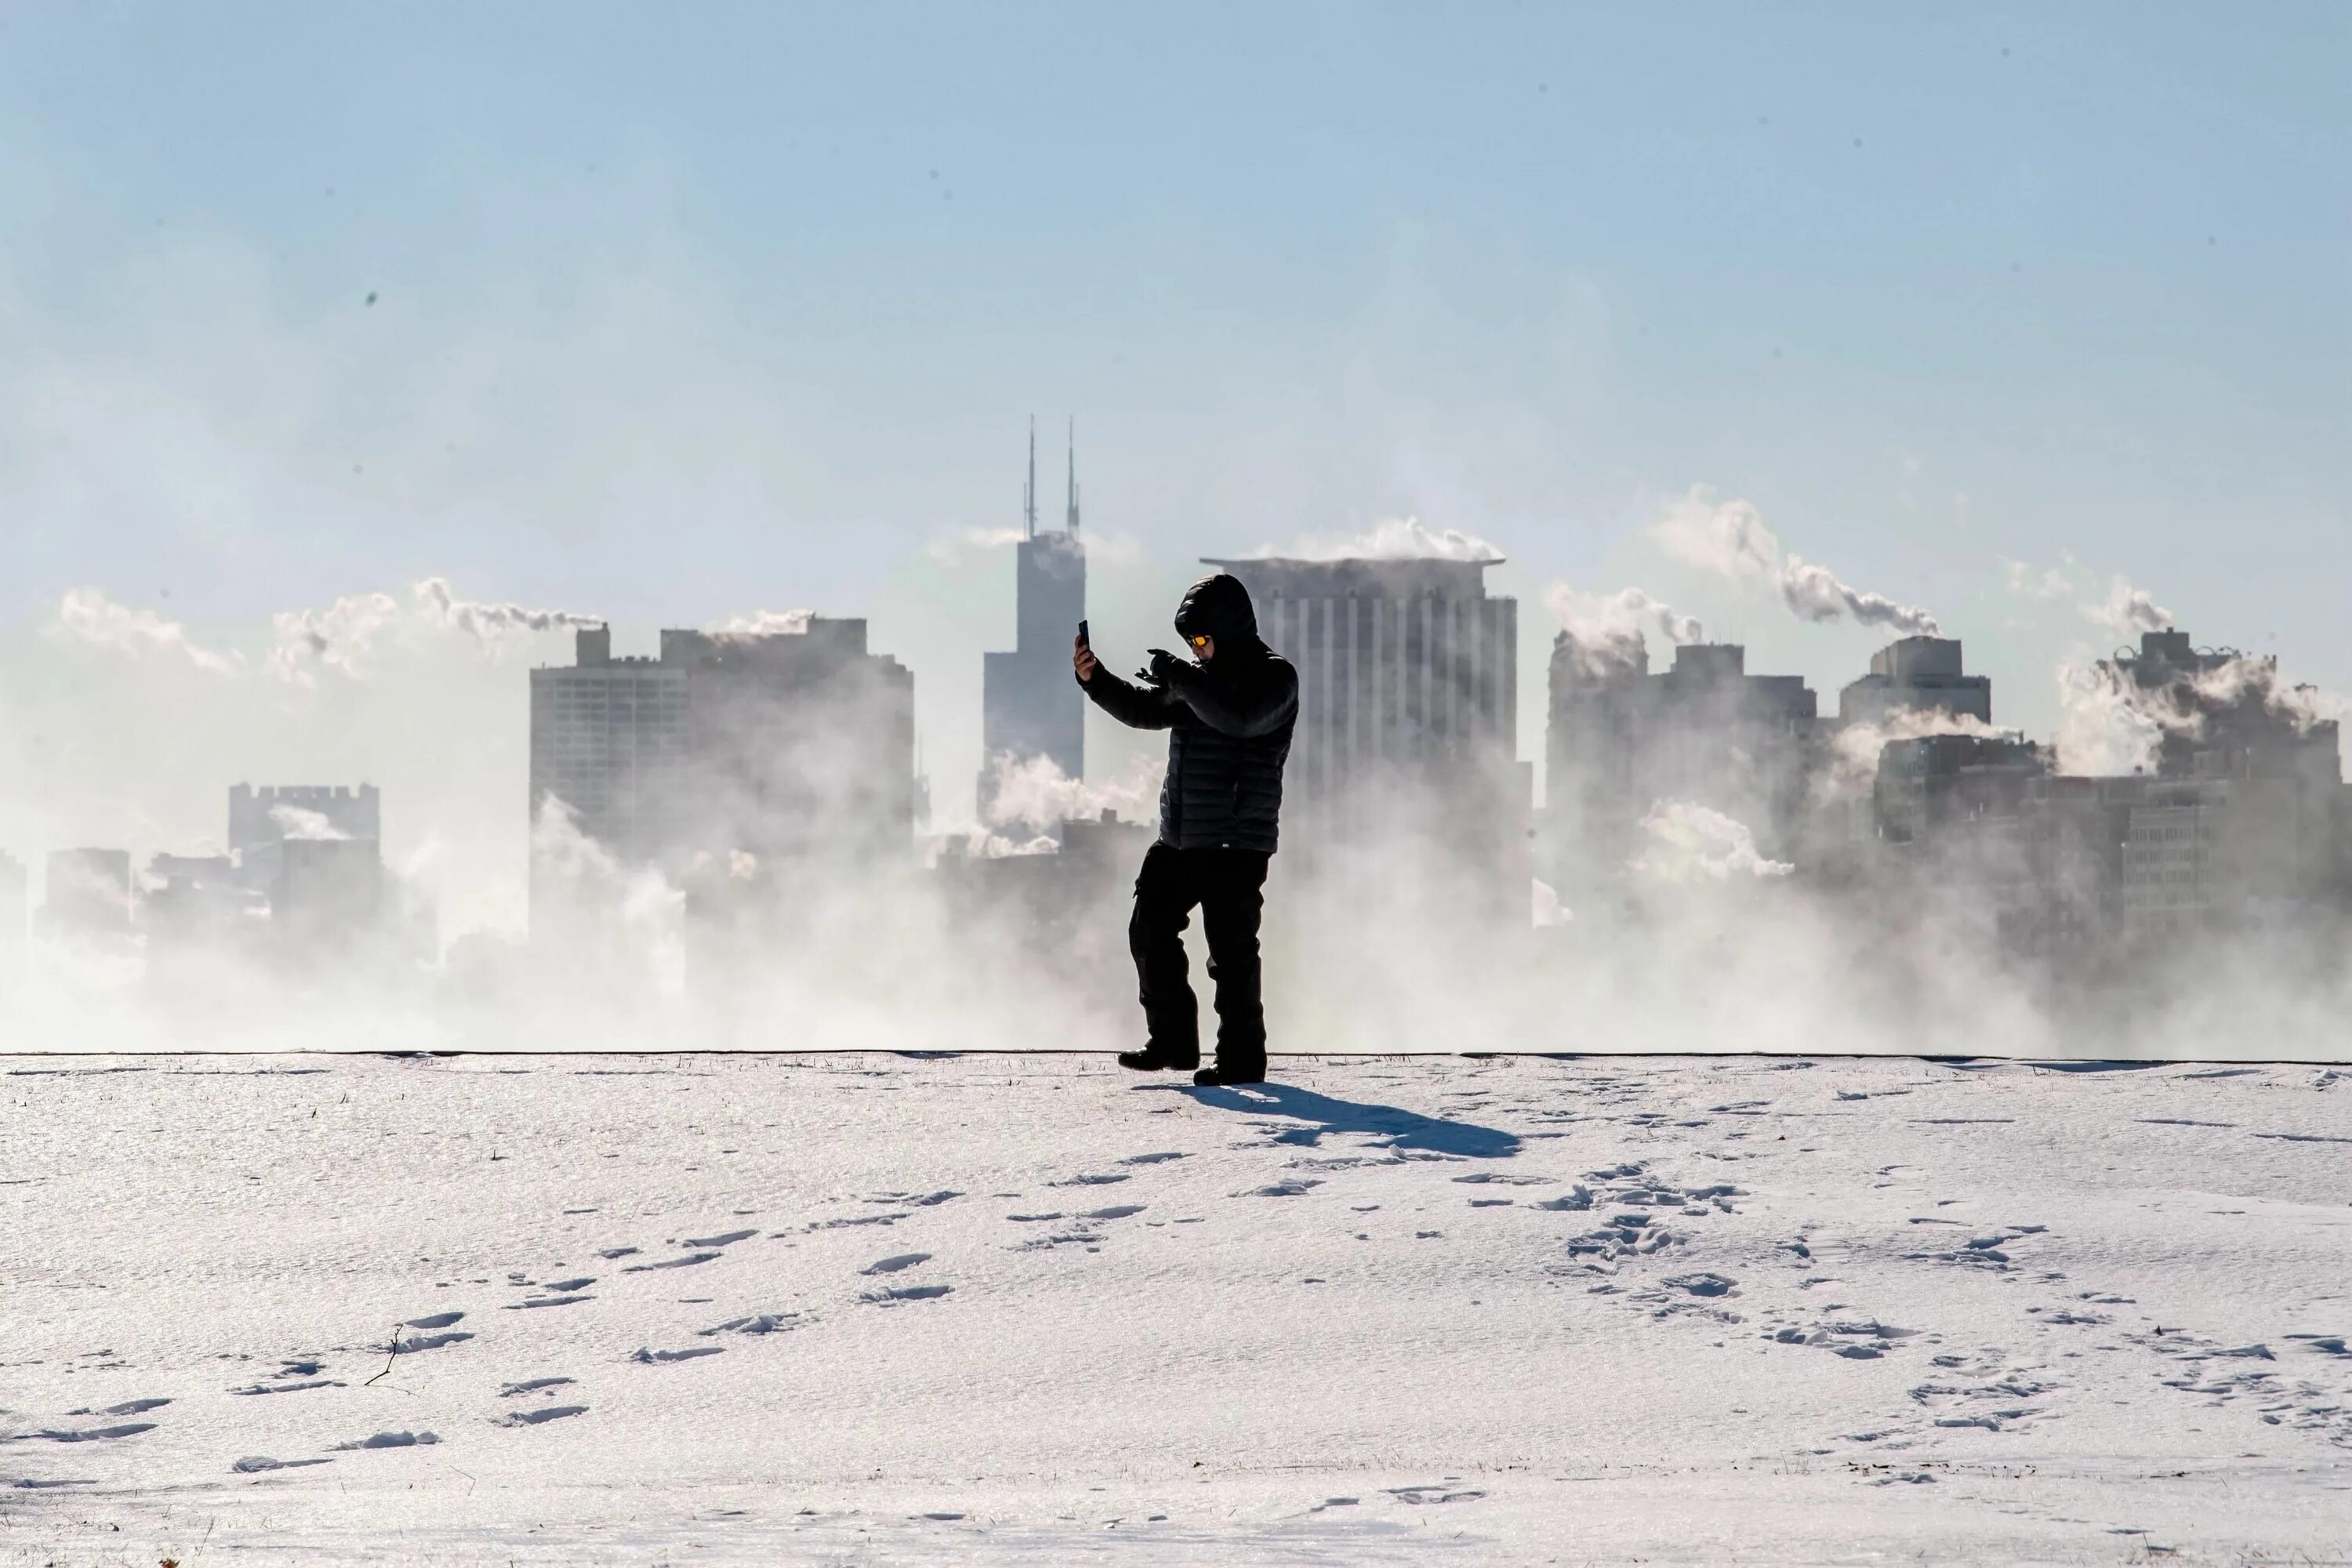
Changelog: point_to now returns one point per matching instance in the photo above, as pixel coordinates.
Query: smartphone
(1082, 634)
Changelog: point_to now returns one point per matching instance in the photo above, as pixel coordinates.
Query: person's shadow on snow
(1320, 1113)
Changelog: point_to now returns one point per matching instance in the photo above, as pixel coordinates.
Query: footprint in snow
(415, 1343)
(657, 1358)
(893, 1264)
(537, 1417)
(1116, 1211)
(390, 1440)
(287, 1387)
(612, 1252)
(1289, 1189)
(728, 1240)
(1704, 1283)
(134, 1407)
(92, 1434)
(1088, 1181)
(689, 1261)
(1150, 1159)
(531, 1386)
(895, 1295)
(759, 1324)
(547, 1302)
(433, 1321)
(255, 1464)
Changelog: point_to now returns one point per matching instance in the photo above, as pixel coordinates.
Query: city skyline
(573, 323)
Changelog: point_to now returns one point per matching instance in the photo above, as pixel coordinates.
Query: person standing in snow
(1229, 715)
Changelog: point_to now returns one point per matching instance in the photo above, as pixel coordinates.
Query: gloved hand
(1165, 668)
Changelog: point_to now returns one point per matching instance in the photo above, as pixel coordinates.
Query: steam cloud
(1033, 792)
(763, 624)
(339, 638)
(1692, 843)
(298, 822)
(644, 901)
(88, 616)
(1730, 539)
(2109, 727)
(951, 550)
(1391, 538)
(1607, 631)
(486, 622)
(2109, 724)
(1853, 748)
(2128, 611)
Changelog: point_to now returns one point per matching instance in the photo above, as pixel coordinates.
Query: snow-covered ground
(984, 1308)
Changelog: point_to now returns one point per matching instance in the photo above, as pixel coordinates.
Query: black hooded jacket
(1229, 721)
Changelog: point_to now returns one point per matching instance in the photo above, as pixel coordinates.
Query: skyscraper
(1407, 695)
(1030, 706)
(793, 749)
(1704, 731)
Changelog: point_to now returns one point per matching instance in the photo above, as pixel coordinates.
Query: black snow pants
(1228, 886)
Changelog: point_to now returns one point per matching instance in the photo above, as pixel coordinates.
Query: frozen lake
(981, 1308)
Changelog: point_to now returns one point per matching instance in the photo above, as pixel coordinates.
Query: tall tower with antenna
(1031, 709)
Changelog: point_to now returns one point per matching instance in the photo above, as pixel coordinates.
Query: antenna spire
(1070, 520)
(1029, 491)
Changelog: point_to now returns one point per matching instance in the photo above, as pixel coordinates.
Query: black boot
(1152, 1059)
(1219, 1077)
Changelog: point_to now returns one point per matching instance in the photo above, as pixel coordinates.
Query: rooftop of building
(1293, 577)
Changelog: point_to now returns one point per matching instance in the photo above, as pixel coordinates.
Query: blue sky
(686, 311)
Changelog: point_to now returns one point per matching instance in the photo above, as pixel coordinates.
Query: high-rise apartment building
(261, 820)
(608, 742)
(1621, 739)
(794, 749)
(1030, 707)
(1922, 675)
(1407, 694)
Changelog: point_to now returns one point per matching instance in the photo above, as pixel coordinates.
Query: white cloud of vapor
(87, 615)
(1607, 630)
(301, 823)
(1696, 843)
(1037, 794)
(950, 549)
(339, 638)
(591, 877)
(1730, 539)
(1853, 748)
(2125, 611)
(1391, 538)
(489, 623)
(2110, 724)
(343, 637)
(763, 624)
(2107, 726)
(2128, 611)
